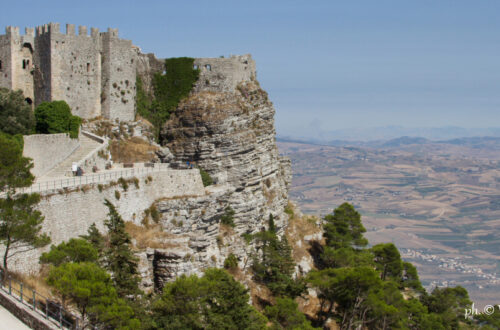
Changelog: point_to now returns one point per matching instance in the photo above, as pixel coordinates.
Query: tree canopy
(16, 115)
(14, 168)
(343, 228)
(75, 250)
(55, 117)
(214, 301)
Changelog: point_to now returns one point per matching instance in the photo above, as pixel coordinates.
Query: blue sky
(326, 64)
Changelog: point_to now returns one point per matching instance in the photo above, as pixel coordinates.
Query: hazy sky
(328, 64)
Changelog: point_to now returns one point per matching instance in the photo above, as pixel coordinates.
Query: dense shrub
(231, 262)
(16, 116)
(228, 217)
(206, 178)
(55, 117)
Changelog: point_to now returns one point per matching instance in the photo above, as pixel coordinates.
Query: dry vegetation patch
(300, 226)
(151, 236)
(133, 150)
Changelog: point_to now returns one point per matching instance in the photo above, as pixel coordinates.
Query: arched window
(29, 101)
(208, 67)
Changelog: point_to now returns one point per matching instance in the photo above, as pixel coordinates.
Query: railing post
(46, 308)
(10, 285)
(21, 291)
(60, 317)
(34, 300)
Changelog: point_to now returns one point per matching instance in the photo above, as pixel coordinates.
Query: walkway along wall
(69, 213)
(48, 150)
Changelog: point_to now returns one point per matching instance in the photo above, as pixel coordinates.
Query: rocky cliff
(226, 128)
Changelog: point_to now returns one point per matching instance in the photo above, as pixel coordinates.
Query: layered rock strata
(231, 135)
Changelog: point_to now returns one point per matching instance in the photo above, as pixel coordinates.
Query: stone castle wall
(224, 74)
(16, 55)
(69, 214)
(75, 70)
(80, 69)
(119, 76)
(48, 150)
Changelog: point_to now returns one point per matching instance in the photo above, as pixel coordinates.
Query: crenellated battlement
(94, 73)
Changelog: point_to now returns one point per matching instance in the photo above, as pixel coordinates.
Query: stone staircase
(87, 145)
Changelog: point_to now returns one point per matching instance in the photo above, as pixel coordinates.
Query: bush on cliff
(206, 178)
(55, 117)
(16, 116)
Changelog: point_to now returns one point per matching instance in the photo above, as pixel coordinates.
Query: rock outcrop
(230, 134)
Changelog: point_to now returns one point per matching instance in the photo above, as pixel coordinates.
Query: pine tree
(120, 260)
(95, 238)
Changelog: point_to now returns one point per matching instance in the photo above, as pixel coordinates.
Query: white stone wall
(69, 215)
(48, 150)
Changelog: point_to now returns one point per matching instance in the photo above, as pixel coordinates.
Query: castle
(95, 74)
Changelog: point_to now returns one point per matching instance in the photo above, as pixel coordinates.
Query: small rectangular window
(24, 64)
(88, 67)
(1, 65)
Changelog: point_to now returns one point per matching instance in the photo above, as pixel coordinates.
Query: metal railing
(103, 177)
(44, 306)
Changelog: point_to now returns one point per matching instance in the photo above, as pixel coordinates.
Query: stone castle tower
(95, 74)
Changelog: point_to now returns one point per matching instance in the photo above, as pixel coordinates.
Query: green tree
(120, 259)
(14, 168)
(55, 117)
(75, 250)
(273, 265)
(90, 288)
(286, 315)
(97, 240)
(388, 260)
(347, 288)
(272, 226)
(214, 301)
(16, 116)
(448, 304)
(345, 257)
(410, 277)
(343, 228)
(20, 225)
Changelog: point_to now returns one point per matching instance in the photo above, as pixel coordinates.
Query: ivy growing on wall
(169, 88)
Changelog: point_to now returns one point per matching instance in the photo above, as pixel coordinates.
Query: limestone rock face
(231, 136)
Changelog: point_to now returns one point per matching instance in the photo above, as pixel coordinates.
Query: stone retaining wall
(48, 150)
(70, 213)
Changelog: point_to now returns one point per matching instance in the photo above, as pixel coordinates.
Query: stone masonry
(95, 74)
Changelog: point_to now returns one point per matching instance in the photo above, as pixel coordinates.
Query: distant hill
(385, 133)
(472, 142)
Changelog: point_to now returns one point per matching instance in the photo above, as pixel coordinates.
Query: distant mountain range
(472, 142)
(386, 133)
